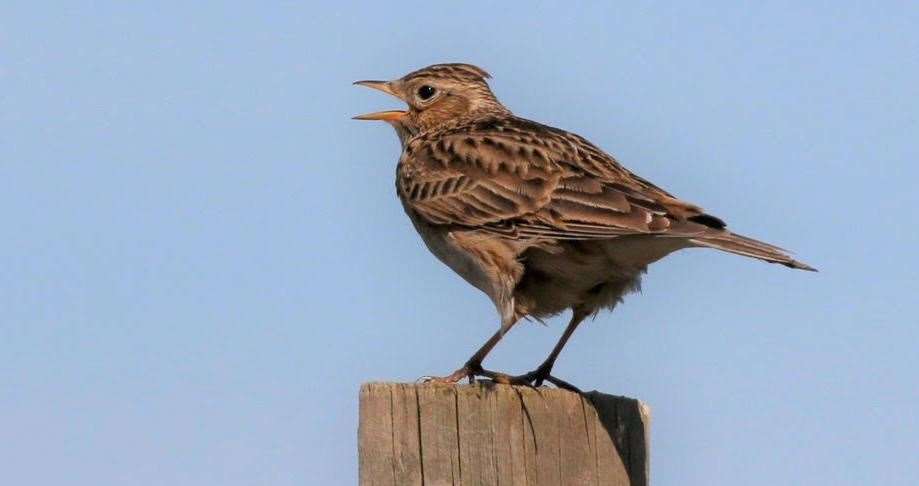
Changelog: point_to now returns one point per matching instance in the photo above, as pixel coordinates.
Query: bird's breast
(439, 242)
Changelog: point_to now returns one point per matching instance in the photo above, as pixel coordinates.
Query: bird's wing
(526, 181)
(522, 179)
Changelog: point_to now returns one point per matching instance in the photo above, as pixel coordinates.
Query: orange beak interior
(389, 115)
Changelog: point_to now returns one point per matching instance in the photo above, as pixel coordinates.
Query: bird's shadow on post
(626, 421)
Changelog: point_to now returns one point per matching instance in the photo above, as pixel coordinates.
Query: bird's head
(437, 95)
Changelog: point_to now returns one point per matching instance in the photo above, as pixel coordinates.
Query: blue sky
(203, 256)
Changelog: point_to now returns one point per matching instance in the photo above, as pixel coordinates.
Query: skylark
(538, 218)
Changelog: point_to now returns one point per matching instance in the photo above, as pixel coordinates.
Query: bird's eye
(426, 92)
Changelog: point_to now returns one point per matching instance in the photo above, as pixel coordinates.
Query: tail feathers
(741, 245)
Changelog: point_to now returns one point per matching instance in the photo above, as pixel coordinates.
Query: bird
(539, 219)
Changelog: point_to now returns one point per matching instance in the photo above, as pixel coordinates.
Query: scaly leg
(473, 366)
(544, 371)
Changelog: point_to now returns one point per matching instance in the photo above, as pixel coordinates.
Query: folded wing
(522, 180)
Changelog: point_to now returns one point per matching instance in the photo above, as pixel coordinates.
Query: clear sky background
(203, 256)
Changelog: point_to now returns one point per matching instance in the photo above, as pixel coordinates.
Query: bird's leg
(544, 371)
(473, 366)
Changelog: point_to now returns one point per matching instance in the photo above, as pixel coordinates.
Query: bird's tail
(741, 245)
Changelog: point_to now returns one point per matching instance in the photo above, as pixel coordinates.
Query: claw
(563, 384)
(532, 379)
(469, 371)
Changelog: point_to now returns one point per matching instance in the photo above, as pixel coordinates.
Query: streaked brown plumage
(538, 218)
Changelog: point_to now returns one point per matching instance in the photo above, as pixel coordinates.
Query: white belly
(445, 248)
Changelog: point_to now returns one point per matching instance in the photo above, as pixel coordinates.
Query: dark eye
(426, 92)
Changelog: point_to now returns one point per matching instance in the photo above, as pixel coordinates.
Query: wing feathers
(605, 199)
(523, 180)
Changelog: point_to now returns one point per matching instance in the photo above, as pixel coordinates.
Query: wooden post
(485, 434)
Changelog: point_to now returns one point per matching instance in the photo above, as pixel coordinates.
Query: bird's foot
(534, 378)
(468, 370)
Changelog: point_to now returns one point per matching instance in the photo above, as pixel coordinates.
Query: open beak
(389, 115)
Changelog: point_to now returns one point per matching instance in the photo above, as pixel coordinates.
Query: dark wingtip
(709, 220)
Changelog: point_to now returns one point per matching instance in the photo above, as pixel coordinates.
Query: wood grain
(426, 434)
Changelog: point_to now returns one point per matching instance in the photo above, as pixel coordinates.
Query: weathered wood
(406, 435)
(483, 434)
